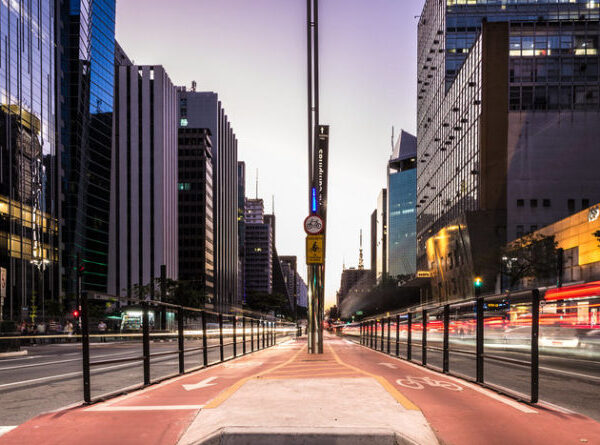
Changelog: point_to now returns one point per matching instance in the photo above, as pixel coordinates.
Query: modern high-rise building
(402, 215)
(29, 175)
(289, 266)
(85, 57)
(204, 110)
(195, 193)
(259, 249)
(254, 211)
(302, 292)
(382, 236)
(508, 123)
(241, 230)
(373, 245)
(143, 217)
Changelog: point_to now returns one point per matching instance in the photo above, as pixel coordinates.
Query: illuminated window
(183, 122)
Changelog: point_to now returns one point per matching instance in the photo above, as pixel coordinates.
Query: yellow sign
(423, 274)
(315, 249)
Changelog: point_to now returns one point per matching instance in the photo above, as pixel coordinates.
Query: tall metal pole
(315, 272)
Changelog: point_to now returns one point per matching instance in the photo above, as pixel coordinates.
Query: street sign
(315, 249)
(313, 225)
(321, 165)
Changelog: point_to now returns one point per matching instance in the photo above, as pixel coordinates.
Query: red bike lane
(464, 413)
(158, 414)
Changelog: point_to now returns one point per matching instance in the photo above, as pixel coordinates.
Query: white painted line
(388, 365)
(21, 358)
(554, 407)
(6, 429)
(14, 353)
(104, 408)
(570, 373)
(62, 376)
(247, 364)
(33, 365)
(489, 393)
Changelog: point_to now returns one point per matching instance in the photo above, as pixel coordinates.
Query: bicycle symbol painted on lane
(421, 382)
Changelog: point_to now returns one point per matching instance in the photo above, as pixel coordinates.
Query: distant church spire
(361, 262)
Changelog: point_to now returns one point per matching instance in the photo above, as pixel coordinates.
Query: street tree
(532, 256)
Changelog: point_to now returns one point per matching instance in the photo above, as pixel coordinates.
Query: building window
(534, 203)
(585, 203)
(520, 203)
(183, 122)
(520, 231)
(533, 228)
(184, 186)
(571, 205)
(547, 203)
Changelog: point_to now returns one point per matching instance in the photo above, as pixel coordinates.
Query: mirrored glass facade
(87, 49)
(402, 222)
(28, 175)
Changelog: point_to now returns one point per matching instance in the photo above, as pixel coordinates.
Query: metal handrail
(373, 335)
(266, 329)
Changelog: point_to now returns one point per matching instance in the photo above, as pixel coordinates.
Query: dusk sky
(253, 54)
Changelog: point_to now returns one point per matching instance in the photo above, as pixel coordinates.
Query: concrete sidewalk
(282, 395)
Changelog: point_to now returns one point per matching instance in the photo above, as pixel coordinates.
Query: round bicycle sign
(313, 225)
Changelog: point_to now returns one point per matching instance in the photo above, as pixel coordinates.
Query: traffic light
(478, 284)
(80, 269)
(75, 313)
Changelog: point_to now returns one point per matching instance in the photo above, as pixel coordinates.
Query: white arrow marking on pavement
(389, 365)
(203, 384)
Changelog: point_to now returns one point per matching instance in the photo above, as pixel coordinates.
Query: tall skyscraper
(204, 110)
(86, 52)
(196, 227)
(402, 215)
(382, 236)
(241, 230)
(29, 207)
(143, 219)
(259, 249)
(508, 123)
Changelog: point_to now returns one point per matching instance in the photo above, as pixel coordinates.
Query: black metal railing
(210, 330)
(443, 332)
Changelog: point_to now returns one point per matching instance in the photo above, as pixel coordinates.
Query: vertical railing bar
(221, 349)
(397, 335)
(535, 358)
(234, 336)
(409, 337)
(243, 335)
(424, 338)
(180, 340)
(204, 340)
(479, 341)
(146, 343)
(446, 359)
(85, 348)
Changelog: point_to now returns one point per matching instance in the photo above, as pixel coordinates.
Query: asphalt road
(50, 376)
(568, 382)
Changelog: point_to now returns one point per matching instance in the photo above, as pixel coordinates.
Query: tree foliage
(263, 302)
(532, 256)
(183, 293)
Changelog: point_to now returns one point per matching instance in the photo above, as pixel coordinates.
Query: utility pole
(315, 223)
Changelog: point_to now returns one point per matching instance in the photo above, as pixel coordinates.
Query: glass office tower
(87, 48)
(402, 216)
(28, 175)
